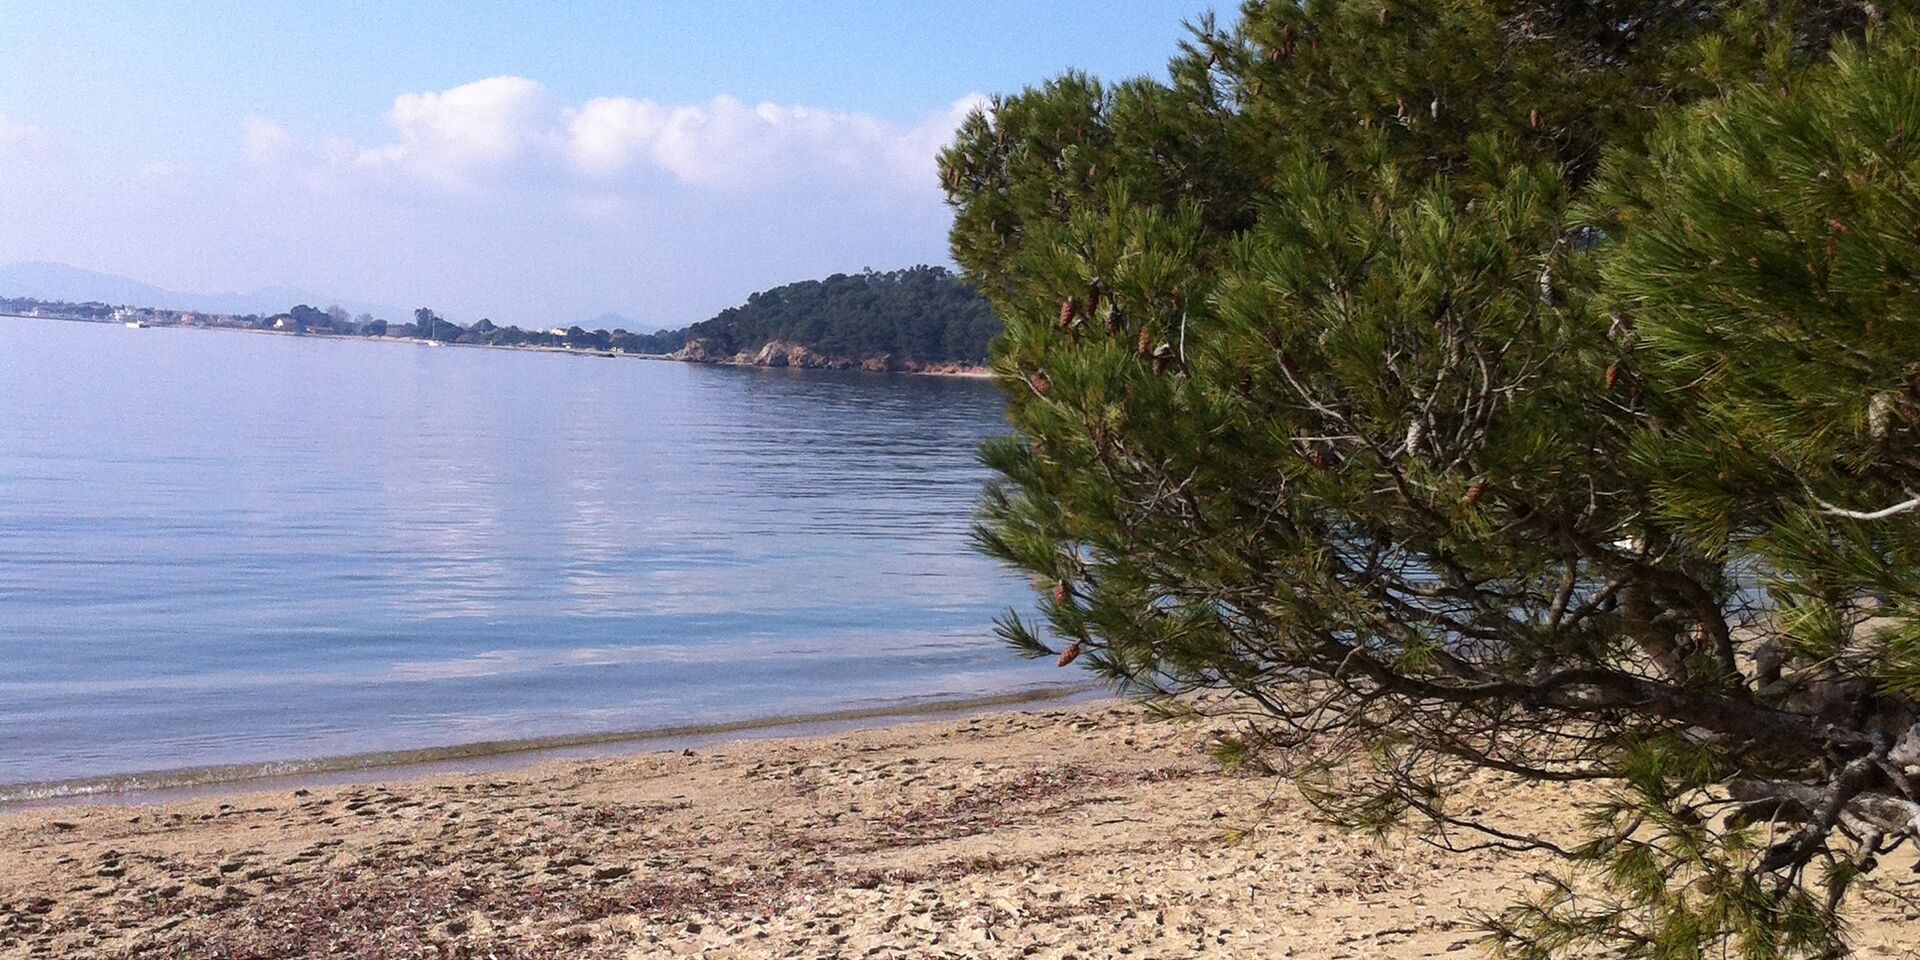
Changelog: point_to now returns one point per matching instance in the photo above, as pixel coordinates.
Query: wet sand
(164, 786)
(1080, 832)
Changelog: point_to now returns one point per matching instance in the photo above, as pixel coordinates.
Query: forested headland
(899, 319)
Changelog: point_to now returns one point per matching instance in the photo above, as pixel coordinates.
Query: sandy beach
(1084, 832)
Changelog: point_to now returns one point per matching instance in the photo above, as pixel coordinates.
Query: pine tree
(1373, 370)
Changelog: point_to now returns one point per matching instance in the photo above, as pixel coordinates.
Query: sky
(529, 162)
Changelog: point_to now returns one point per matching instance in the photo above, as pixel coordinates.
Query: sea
(227, 555)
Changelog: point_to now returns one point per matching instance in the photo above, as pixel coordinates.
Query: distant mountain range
(58, 281)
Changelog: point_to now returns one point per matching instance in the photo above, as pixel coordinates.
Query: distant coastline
(921, 319)
(158, 319)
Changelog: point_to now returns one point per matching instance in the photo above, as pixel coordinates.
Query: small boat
(136, 324)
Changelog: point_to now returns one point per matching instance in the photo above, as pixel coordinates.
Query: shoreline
(1048, 834)
(961, 371)
(148, 787)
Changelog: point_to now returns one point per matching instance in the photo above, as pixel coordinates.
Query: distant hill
(59, 281)
(615, 321)
(912, 317)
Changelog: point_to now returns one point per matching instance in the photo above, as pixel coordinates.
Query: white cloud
(456, 135)
(265, 142)
(725, 143)
(19, 139)
(161, 170)
(467, 136)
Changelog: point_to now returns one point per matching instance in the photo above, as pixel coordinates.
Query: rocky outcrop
(700, 351)
(782, 353)
(949, 369)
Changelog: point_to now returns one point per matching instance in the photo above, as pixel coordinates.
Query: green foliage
(1399, 368)
(1672, 883)
(1770, 267)
(428, 325)
(920, 314)
(31, 306)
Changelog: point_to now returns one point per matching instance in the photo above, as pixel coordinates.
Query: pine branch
(1905, 506)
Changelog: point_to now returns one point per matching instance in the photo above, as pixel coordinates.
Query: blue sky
(523, 161)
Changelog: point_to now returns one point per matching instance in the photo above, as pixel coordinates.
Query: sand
(1083, 832)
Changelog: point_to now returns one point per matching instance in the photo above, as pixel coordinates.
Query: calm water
(225, 548)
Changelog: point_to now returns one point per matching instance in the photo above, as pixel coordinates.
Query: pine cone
(1146, 341)
(1040, 382)
(1066, 312)
(1070, 654)
(1416, 435)
(1613, 373)
(1474, 493)
(1879, 415)
(1060, 594)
